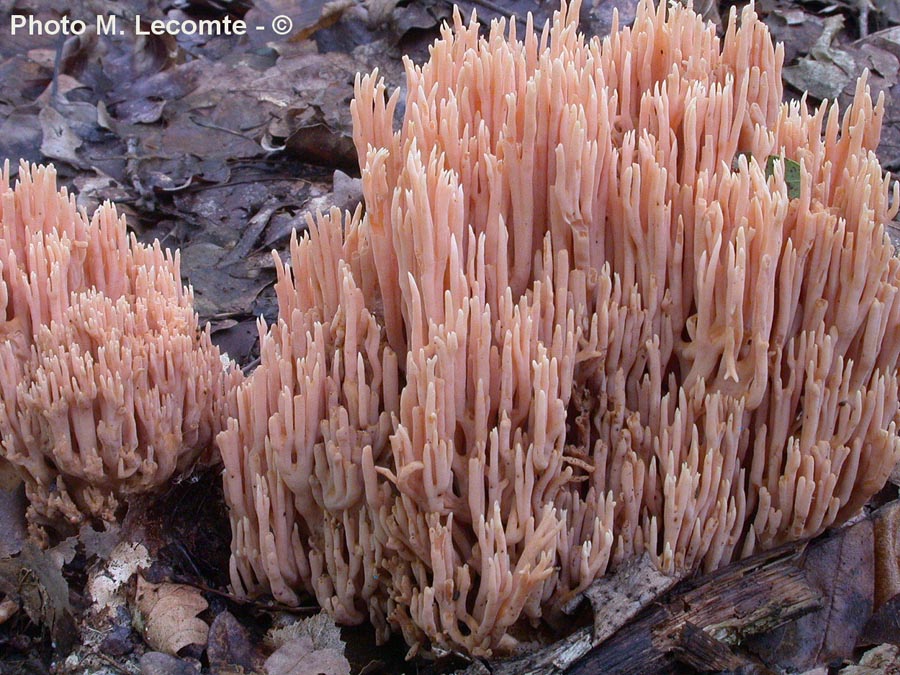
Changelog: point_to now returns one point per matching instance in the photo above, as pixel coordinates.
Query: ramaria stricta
(579, 319)
(583, 316)
(107, 385)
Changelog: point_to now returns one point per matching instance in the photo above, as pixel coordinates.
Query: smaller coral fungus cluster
(107, 385)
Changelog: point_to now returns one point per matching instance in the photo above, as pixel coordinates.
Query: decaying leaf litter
(217, 150)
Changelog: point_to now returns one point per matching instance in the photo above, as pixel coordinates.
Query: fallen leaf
(300, 657)
(99, 543)
(24, 78)
(886, 523)
(820, 80)
(106, 584)
(419, 16)
(119, 638)
(791, 174)
(795, 29)
(77, 52)
(95, 189)
(169, 613)
(840, 567)
(882, 62)
(884, 626)
(348, 192)
(59, 141)
(230, 648)
(158, 663)
(320, 628)
(890, 9)
(379, 11)
(888, 39)
(20, 137)
(220, 291)
(828, 70)
(252, 231)
(34, 580)
(236, 338)
(321, 145)
(306, 18)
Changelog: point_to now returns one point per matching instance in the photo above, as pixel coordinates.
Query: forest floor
(219, 147)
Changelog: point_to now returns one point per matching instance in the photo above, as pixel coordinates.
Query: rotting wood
(615, 600)
(633, 588)
(694, 625)
(702, 651)
(745, 598)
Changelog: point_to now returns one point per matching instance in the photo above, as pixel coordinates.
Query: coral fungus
(107, 385)
(578, 320)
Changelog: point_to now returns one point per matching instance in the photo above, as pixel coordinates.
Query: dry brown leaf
(888, 39)
(310, 646)
(320, 628)
(158, 663)
(230, 649)
(33, 579)
(884, 626)
(840, 567)
(887, 552)
(169, 614)
(59, 141)
(828, 70)
(106, 584)
(300, 657)
(379, 11)
(306, 18)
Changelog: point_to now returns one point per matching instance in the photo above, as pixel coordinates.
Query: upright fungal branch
(107, 385)
(579, 320)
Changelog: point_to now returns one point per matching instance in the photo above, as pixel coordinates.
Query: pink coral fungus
(579, 320)
(108, 386)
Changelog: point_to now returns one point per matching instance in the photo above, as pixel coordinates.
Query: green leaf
(791, 173)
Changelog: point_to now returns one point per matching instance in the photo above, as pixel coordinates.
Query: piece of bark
(744, 598)
(703, 652)
(615, 600)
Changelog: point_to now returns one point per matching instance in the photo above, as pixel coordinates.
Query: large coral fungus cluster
(107, 386)
(579, 320)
